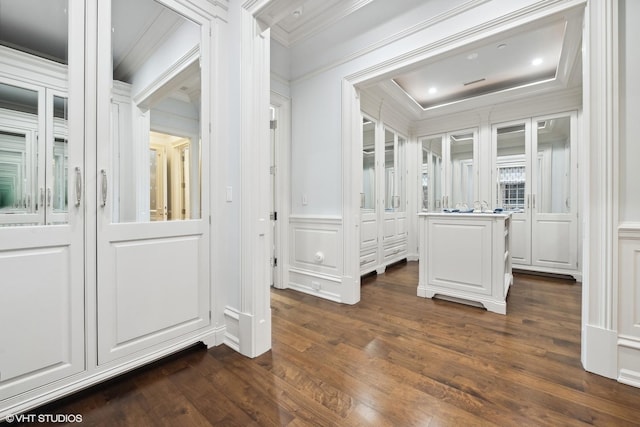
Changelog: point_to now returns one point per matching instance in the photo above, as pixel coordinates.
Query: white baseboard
(600, 351)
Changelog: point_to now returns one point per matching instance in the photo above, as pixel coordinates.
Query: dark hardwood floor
(392, 360)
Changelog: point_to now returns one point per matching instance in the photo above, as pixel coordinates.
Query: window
(512, 181)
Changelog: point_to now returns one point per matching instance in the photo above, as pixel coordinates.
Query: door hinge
(273, 124)
(273, 216)
(209, 314)
(275, 262)
(272, 170)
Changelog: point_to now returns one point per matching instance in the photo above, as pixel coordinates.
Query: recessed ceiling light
(297, 13)
(433, 90)
(536, 61)
(472, 56)
(502, 45)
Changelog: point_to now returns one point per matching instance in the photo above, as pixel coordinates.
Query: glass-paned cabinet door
(553, 166)
(368, 195)
(431, 173)
(512, 188)
(462, 169)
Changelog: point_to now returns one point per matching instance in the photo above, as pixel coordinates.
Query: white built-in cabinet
(383, 201)
(535, 178)
(528, 168)
(478, 241)
(42, 222)
(104, 208)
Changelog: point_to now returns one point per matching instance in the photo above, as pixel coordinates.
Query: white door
(393, 200)
(368, 199)
(41, 205)
(554, 180)
(512, 187)
(153, 272)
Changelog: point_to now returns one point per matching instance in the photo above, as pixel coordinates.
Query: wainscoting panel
(316, 255)
(629, 304)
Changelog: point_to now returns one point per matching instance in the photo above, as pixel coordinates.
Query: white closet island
(466, 257)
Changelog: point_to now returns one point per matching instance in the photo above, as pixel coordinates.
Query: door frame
(282, 182)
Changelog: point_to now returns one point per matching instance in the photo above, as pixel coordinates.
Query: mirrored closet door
(42, 209)
(383, 201)
(535, 174)
(448, 177)
(512, 178)
(153, 234)
(368, 197)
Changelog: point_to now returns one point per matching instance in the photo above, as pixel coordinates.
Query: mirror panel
(19, 129)
(511, 174)
(389, 169)
(60, 160)
(553, 164)
(431, 175)
(368, 201)
(400, 204)
(33, 112)
(461, 166)
(155, 115)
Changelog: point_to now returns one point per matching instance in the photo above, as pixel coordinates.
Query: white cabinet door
(511, 144)
(41, 205)
(535, 175)
(368, 196)
(554, 210)
(153, 270)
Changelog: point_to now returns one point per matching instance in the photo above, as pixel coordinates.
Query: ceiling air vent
(474, 82)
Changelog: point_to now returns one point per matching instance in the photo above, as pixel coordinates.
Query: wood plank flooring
(391, 360)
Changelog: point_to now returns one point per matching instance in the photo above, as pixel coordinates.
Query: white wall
(226, 169)
(280, 69)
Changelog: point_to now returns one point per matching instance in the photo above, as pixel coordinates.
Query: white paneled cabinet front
(535, 176)
(93, 287)
(383, 213)
(153, 245)
(42, 216)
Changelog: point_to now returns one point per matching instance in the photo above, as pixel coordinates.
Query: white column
(255, 311)
(599, 173)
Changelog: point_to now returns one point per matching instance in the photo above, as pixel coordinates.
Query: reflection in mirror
(33, 120)
(511, 168)
(400, 204)
(60, 161)
(18, 152)
(554, 166)
(155, 114)
(431, 173)
(368, 164)
(462, 167)
(389, 169)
